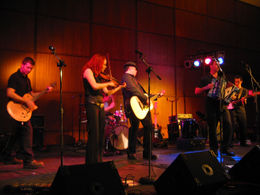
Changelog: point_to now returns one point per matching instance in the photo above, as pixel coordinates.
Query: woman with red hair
(94, 90)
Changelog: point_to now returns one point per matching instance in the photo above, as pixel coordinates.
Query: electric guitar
(21, 112)
(232, 103)
(140, 110)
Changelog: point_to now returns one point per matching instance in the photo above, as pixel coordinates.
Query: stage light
(187, 63)
(207, 60)
(221, 60)
(196, 63)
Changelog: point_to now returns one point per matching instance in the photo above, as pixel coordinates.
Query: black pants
(240, 123)
(20, 141)
(95, 127)
(213, 117)
(132, 136)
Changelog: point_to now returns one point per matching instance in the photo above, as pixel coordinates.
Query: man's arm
(10, 92)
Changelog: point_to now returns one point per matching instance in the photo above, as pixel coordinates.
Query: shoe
(131, 157)
(153, 157)
(13, 161)
(227, 153)
(33, 164)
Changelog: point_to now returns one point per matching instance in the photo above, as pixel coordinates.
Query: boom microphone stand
(253, 83)
(148, 180)
(60, 64)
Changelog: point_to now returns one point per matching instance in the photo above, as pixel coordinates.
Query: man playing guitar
(238, 111)
(18, 85)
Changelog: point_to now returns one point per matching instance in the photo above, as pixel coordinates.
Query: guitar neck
(39, 95)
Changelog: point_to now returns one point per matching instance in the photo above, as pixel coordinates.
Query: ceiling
(252, 2)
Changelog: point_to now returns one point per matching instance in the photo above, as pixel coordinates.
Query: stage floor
(16, 177)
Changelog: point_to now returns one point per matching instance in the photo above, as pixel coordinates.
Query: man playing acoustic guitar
(18, 85)
(133, 88)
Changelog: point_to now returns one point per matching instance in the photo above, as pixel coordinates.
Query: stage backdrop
(166, 32)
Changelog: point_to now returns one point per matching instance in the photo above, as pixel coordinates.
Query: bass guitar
(233, 103)
(20, 112)
(140, 110)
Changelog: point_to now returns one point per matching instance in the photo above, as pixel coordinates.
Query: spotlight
(207, 60)
(221, 60)
(187, 64)
(196, 63)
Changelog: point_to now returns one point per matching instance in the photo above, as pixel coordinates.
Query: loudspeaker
(248, 168)
(94, 179)
(192, 173)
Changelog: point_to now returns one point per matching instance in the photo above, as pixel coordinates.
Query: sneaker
(153, 157)
(33, 164)
(131, 157)
(13, 161)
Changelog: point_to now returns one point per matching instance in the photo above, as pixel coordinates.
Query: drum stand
(113, 151)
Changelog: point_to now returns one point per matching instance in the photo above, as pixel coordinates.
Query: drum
(120, 116)
(119, 137)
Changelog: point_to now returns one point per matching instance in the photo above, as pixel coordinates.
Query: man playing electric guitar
(18, 85)
(238, 113)
(133, 88)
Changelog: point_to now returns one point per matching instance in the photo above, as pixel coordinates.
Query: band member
(18, 85)
(133, 88)
(238, 112)
(95, 113)
(213, 84)
(109, 102)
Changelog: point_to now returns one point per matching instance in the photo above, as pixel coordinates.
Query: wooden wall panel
(47, 72)
(222, 9)
(198, 6)
(161, 19)
(220, 32)
(115, 12)
(119, 43)
(18, 5)
(194, 104)
(68, 9)
(247, 15)
(191, 26)
(157, 49)
(67, 37)
(17, 31)
(10, 62)
(168, 3)
(248, 38)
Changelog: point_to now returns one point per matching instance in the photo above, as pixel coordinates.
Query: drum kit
(116, 132)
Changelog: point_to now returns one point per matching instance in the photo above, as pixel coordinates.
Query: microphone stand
(60, 64)
(254, 81)
(221, 110)
(148, 180)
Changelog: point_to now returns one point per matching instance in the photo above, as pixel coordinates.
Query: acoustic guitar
(140, 110)
(20, 112)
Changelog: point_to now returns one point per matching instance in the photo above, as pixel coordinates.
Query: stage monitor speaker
(94, 179)
(192, 173)
(248, 168)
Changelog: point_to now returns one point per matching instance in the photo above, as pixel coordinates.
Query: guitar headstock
(162, 93)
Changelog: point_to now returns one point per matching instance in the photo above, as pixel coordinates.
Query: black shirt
(133, 88)
(20, 83)
(92, 95)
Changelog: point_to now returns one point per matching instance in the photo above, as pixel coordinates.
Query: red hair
(95, 64)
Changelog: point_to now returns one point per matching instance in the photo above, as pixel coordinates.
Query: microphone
(51, 48)
(138, 52)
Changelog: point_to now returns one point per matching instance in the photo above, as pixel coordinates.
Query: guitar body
(140, 110)
(20, 112)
